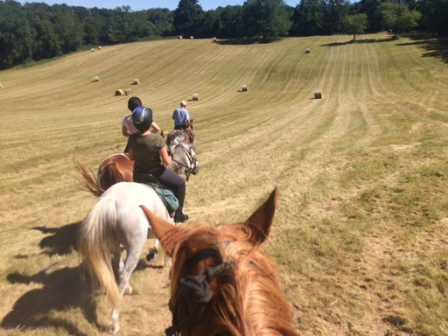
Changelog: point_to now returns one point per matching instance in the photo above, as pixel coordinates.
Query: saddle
(166, 195)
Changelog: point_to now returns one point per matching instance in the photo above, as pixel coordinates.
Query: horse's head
(184, 159)
(221, 282)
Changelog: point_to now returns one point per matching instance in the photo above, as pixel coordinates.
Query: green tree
(162, 19)
(231, 23)
(186, 17)
(48, 44)
(16, 37)
(68, 29)
(308, 18)
(335, 11)
(355, 24)
(266, 18)
(398, 17)
(91, 31)
(369, 7)
(434, 16)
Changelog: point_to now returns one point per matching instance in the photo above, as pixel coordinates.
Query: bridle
(198, 290)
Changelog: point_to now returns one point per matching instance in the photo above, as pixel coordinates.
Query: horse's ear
(261, 220)
(166, 232)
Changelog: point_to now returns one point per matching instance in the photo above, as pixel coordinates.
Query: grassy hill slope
(361, 231)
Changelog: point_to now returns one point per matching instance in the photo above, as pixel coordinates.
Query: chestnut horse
(221, 282)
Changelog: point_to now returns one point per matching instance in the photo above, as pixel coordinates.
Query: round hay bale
(96, 79)
(128, 92)
(136, 82)
(195, 96)
(99, 48)
(92, 50)
(191, 37)
(180, 37)
(318, 95)
(214, 39)
(244, 88)
(119, 92)
(308, 50)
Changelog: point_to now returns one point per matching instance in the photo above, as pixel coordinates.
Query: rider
(127, 128)
(182, 121)
(149, 151)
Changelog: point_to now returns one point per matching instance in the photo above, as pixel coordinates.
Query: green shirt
(145, 149)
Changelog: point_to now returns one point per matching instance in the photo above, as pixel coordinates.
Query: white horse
(117, 219)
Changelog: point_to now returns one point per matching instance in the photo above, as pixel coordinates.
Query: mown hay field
(361, 229)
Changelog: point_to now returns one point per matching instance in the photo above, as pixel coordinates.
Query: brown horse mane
(111, 175)
(247, 300)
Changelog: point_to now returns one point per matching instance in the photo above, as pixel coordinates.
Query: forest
(37, 31)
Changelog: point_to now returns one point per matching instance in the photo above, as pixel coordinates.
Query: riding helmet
(142, 118)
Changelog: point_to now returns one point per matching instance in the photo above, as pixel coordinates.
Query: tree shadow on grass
(359, 41)
(62, 289)
(248, 41)
(433, 46)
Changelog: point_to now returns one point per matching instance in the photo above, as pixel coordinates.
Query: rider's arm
(165, 157)
(155, 128)
(124, 130)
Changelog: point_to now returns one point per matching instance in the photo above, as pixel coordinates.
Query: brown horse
(221, 282)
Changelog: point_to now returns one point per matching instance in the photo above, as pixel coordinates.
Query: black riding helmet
(142, 118)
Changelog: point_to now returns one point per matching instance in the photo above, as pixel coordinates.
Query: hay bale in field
(318, 95)
(214, 39)
(195, 96)
(180, 37)
(244, 88)
(308, 50)
(191, 37)
(99, 48)
(96, 79)
(119, 92)
(136, 82)
(128, 92)
(92, 50)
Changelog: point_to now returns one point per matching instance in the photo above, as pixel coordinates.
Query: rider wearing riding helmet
(127, 127)
(149, 152)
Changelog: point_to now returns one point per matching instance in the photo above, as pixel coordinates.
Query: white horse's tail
(96, 244)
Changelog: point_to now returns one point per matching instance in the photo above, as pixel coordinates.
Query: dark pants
(174, 182)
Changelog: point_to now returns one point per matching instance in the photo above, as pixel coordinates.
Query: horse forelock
(247, 300)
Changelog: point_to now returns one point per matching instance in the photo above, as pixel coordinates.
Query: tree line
(36, 31)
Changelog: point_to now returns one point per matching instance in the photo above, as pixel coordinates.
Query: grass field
(361, 229)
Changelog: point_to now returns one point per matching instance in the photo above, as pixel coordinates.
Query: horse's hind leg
(132, 258)
(117, 262)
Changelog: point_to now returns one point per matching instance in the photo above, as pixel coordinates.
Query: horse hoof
(114, 328)
(128, 291)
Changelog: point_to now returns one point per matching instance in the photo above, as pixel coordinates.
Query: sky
(137, 5)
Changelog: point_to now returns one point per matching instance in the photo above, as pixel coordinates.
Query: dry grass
(361, 232)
